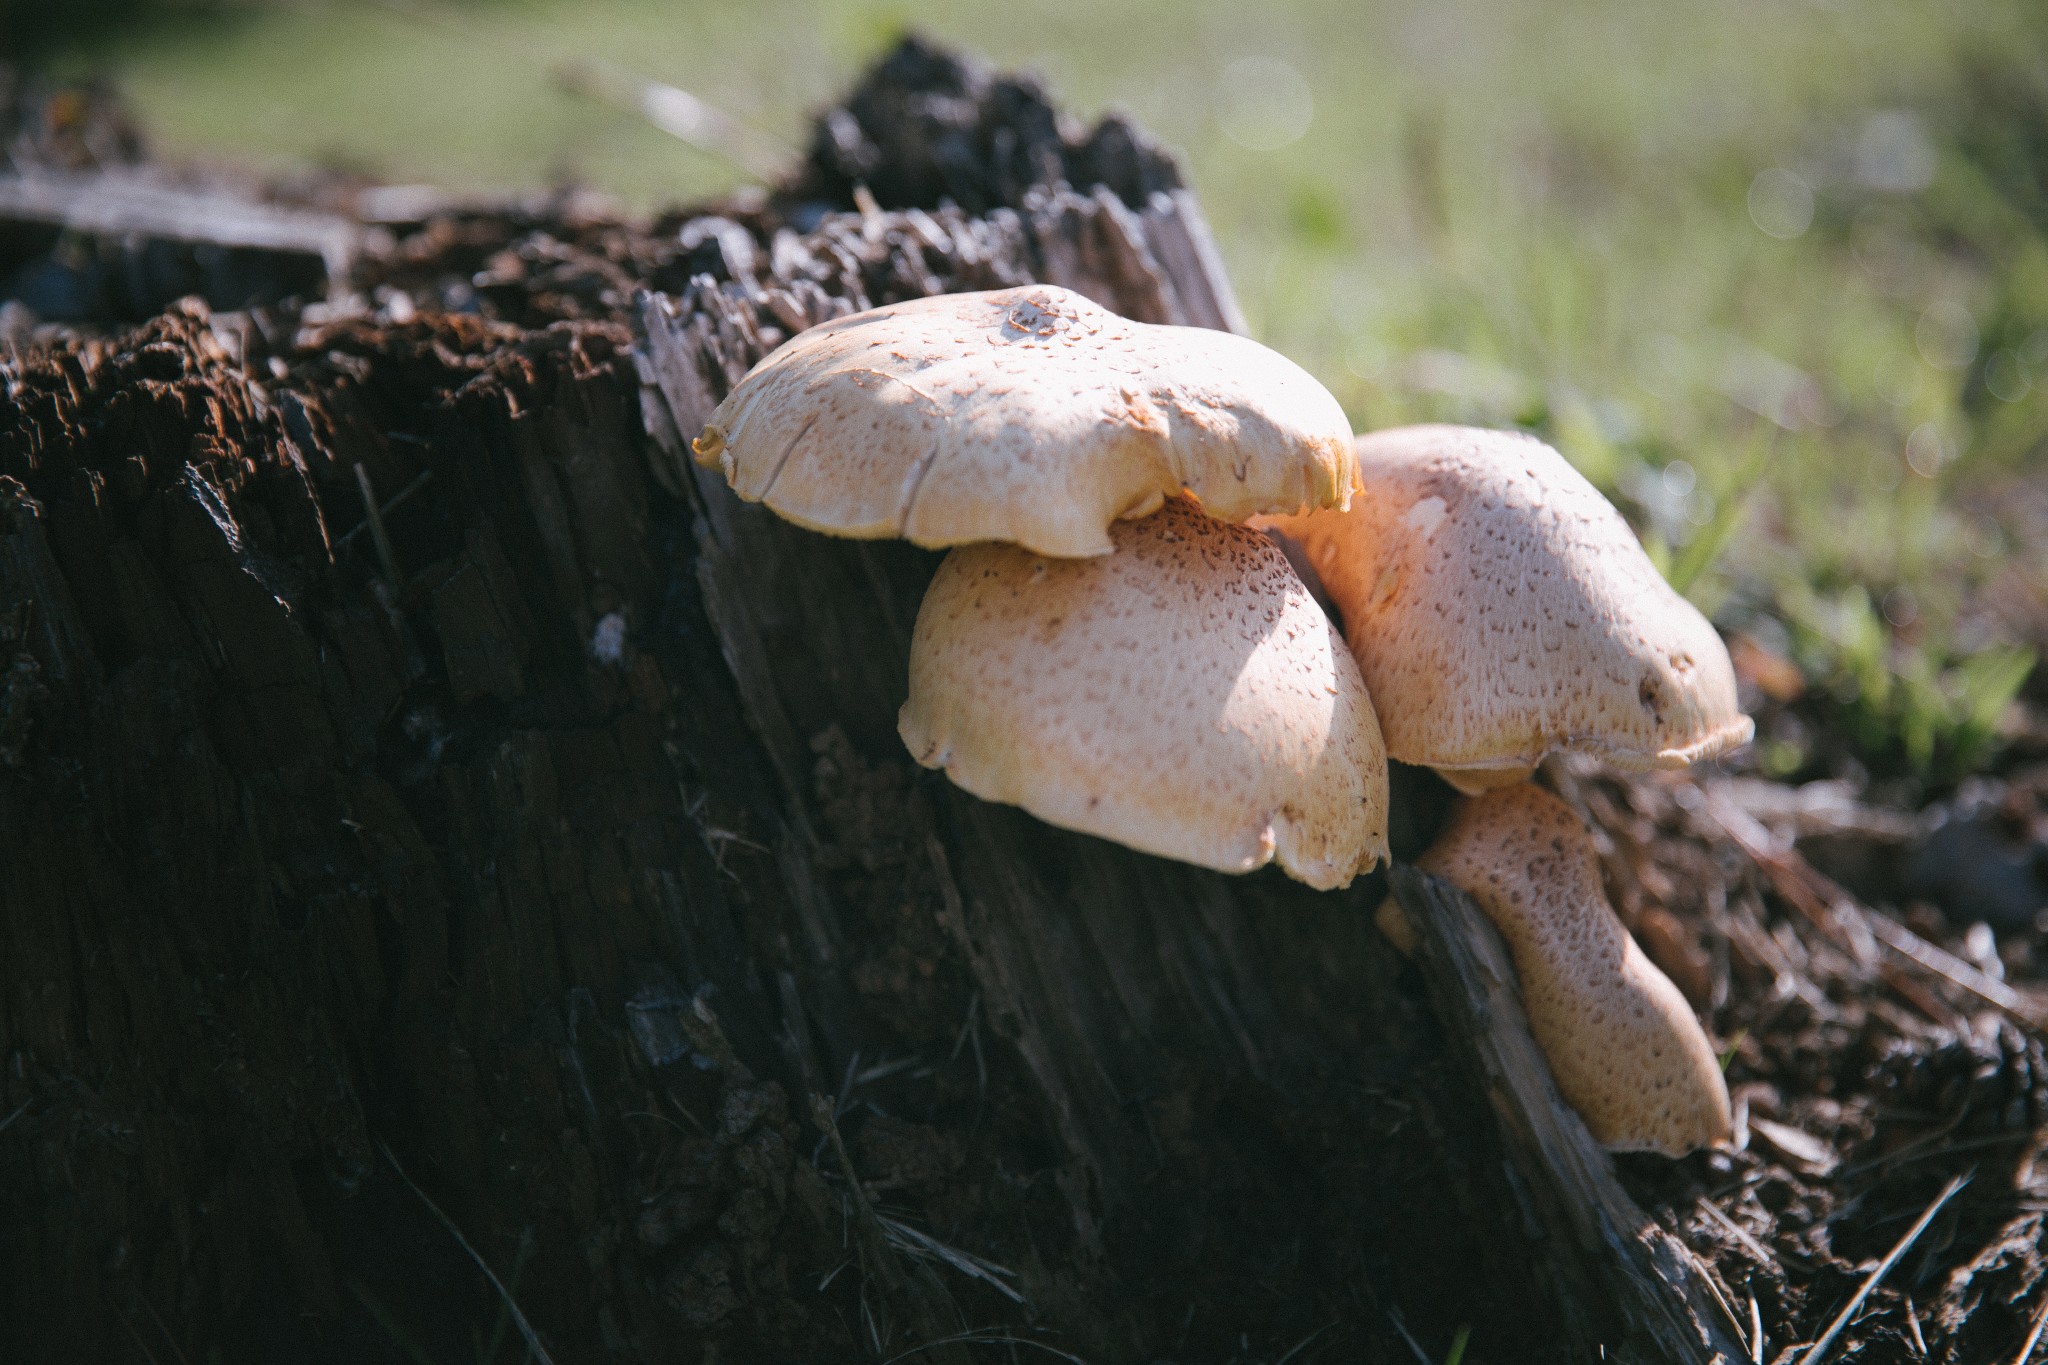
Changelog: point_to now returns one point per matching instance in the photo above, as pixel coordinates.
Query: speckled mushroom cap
(1184, 696)
(1027, 415)
(1626, 1050)
(1500, 608)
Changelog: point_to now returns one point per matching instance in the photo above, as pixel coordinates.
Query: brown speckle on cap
(1032, 416)
(1500, 609)
(1184, 696)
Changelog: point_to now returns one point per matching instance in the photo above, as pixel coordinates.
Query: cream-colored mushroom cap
(1624, 1046)
(1500, 608)
(1027, 415)
(1184, 696)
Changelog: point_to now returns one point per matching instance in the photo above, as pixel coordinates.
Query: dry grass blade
(1876, 1276)
(682, 115)
(883, 1241)
(2034, 1336)
(373, 517)
(911, 1242)
(179, 1351)
(1734, 1229)
(1720, 1293)
(1836, 914)
(136, 1337)
(19, 1111)
(1303, 1344)
(532, 1338)
(985, 1337)
(1954, 970)
(1394, 1316)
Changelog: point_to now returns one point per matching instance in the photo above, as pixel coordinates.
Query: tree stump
(459, 878)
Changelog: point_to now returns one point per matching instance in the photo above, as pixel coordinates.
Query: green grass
(1498, 213)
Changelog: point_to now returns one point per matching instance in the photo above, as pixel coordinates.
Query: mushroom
(1029, 415)
(1623, 1044)
(1184, 696)
(1500, 609)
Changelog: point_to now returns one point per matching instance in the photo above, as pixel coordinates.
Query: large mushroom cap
(1184, 696)
(1500, 608)
(1028, 415)
(1626, 1050)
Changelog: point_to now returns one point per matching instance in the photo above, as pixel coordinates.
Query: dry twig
(2034, 1336)
(1735, 1230)
(1883, 1268)
(1836, 914)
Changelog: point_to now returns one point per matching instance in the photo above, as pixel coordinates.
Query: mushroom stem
(1625, 1048)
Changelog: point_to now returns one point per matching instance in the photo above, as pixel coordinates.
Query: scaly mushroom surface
(1500, 609)
(1032, 415)
(1184, 696)
(1624, 1046)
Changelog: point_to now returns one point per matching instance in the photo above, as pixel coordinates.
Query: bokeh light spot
(1780, 203)
(2006, 377)
(1264, 104)
(1894, 153)
(1927, 450)
(1946, 335)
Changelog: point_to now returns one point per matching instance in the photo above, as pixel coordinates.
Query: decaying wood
(408, 755)
(130, 208)
(1629, 1290)
(1609, 1262)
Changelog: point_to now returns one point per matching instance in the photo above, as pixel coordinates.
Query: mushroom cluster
(1118, 643)
(1105, 648)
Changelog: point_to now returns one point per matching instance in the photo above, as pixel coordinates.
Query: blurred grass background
(1773, 272)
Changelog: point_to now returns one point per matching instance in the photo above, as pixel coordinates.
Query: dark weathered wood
(1188, 256)
(150, 243)
(309, 853)
(129, 206)
(1629, 1291)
